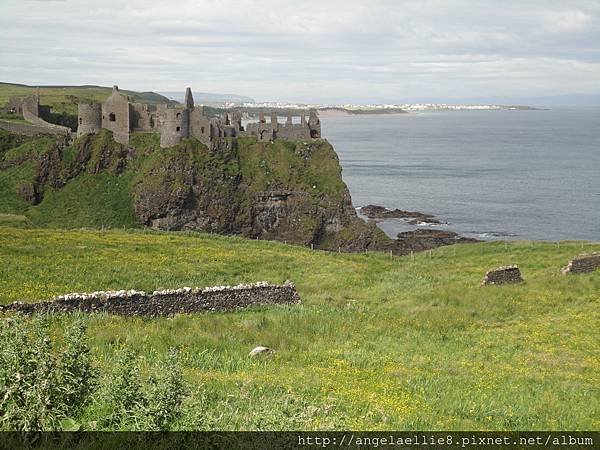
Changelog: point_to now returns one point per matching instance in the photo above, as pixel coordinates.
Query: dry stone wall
(167, 302)
(502, 275)
(583, 264)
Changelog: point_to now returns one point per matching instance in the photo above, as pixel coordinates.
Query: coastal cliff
(284, 190)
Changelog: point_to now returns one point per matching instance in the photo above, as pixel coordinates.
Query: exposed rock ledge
(380, 212)
(419, 240)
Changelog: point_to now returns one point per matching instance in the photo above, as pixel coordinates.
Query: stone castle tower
(89, 118)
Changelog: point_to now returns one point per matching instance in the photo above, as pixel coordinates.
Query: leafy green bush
(76, 377)
(123, 397)
(165, 395)
(45, 386)
(132, 405)
(40, 388)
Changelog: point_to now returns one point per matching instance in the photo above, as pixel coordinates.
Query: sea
(489, 174)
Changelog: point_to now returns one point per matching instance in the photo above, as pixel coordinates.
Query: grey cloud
(334, 51)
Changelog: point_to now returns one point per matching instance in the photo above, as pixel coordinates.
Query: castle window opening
(202, 130)
(178, 128)
(314, 134)
(80, 121)
(112, 117)
(178, 115)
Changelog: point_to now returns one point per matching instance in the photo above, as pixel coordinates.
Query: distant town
(375, 108)
(230, 101)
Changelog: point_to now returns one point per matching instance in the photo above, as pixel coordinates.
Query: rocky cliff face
(284, 190)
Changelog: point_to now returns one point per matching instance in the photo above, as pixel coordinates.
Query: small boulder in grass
(260, 350)
(503, 275)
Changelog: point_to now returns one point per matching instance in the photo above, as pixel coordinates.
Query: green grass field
(377, 343)
(64, 99)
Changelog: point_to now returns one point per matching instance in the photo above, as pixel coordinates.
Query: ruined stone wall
(178, 122)
(166, 303)
(31, 105)
(261, 130)
(15, 105)
(50, 127)
(29, 129)
(174, 124)
(583, 264)
(89, 118)
(293, 131)
(116, 116)
(142, 118)
(200, 125)
(268, 131)
(502, 275)
(314, 124)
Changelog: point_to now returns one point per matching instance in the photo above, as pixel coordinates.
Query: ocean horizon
(500, 174)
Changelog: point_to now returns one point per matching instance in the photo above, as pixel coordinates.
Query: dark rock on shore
(380, 212)
(420, 239)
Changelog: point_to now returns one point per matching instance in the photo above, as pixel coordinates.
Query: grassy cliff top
(64, 99)
(377, 343)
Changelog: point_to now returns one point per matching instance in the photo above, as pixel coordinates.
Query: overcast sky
(305, 50)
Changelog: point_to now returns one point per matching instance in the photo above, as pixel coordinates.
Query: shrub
(39, 389)
(130, 404)
(165, 395)
(48, 387)
(123, 397)
(77, 379)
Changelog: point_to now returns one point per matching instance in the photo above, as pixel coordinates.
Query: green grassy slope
(88, 200)
(377, 343)
(93, 201)
(64, 99)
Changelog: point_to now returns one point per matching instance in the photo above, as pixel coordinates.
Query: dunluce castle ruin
(173, 121)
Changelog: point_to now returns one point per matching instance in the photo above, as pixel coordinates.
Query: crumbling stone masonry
(174, 122)
(502, 275)
(165, 303)
(34, 114)
(288, 130)
(178, 122)
(582, 264)
(29, 129)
